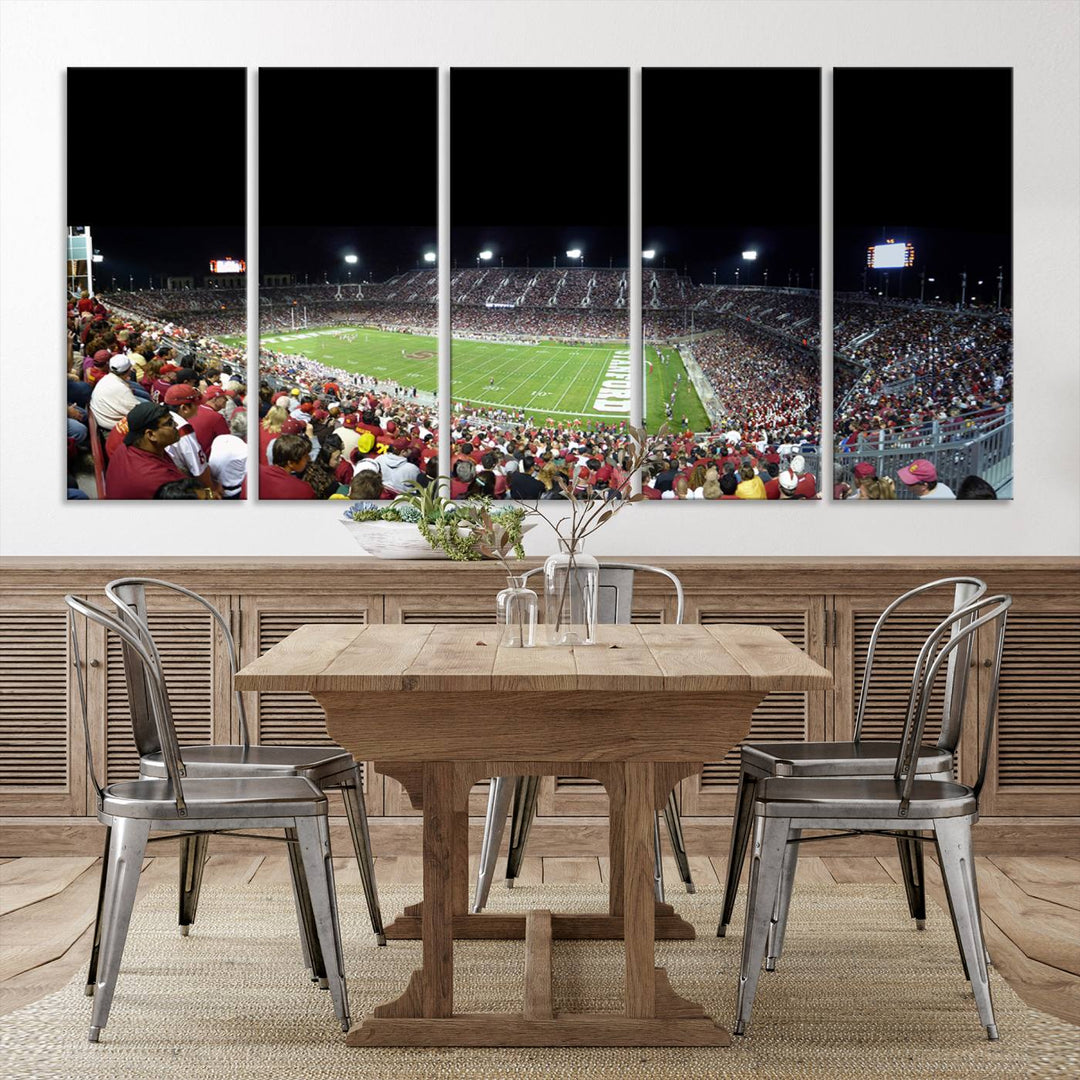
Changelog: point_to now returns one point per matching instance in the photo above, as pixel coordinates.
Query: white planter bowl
(397, 539)
(392, 540)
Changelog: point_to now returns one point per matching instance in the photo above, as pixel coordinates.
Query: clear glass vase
(515, 611)
(571, 585)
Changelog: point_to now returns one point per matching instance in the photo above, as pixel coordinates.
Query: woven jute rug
(859, 993)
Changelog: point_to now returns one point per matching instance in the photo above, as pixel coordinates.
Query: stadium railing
(957, 448)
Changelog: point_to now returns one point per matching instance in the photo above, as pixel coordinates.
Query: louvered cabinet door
(437, 610)
(297, 719)
(895, 656)
(783, 716)
(42, 755)
(1034, 766)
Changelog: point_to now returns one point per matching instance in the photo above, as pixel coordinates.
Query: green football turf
(552, 379)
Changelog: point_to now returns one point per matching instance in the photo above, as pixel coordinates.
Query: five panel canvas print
(542, 390)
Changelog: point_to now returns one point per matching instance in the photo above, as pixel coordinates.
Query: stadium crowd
(154, 410)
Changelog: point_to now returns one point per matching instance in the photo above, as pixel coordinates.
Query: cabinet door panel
(1034, 766)
(42, 750)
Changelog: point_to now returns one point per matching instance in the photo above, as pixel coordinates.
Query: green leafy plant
(463, 531)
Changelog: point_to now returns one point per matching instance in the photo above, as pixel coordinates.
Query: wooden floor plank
(572, 871)
(26, 881)
(812, 871)
(30, 986)
(1043, 987)
(43, 932)
(230, 869)
(1045, 931)
(1056, 880)
(399, 870)
(852, 870)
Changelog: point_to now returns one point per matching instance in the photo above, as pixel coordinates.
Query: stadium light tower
(650, 253)
(352, 259)
(736, 277)
(429, 256)
(482, 256)
(576, 253)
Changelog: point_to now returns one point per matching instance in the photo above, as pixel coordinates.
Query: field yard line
(599, 379)
(568, 360)
(485, 372)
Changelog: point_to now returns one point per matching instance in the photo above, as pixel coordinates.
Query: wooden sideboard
(827, 606)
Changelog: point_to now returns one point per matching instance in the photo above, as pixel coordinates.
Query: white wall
(1038, 37)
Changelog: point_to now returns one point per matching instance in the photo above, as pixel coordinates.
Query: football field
(552, 379)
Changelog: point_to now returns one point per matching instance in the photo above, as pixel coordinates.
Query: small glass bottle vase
(515, 610)
(571, 585)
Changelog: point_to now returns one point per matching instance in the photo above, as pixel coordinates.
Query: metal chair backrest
(966, 590)
(960, 626)
(616, 590)
(149, 675)
(129, 596)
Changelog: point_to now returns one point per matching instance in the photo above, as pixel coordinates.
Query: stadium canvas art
(348, 291)
(922, 312)
(539, 283)
(731, 317)
(155, 286)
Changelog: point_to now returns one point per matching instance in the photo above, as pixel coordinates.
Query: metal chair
(179, 805)
(903, 804)
(865, 758)
(615, 595)
(328, 767)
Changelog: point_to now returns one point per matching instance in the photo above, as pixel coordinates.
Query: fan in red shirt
(281, 480)
(208, 421)
(139, 466)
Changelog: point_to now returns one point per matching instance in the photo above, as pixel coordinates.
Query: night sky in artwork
(924, 156)
(731, 162)
(174, 196)
(540, 165)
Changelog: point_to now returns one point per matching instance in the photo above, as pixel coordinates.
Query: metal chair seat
(315, 763)
(192, 809)
(902, 804)
(329, 767)
(862, 798)
(862, 758)
(859, 757)
(269, 797)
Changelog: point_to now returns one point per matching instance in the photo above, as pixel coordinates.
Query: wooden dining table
(441, 707)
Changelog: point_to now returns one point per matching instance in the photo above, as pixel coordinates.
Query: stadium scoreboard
(227, 266)
(891, 255)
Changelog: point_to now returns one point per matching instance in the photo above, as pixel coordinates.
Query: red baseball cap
(293, 427)
(213, 392)
(864, 469)
(920, 471)
(181, 394)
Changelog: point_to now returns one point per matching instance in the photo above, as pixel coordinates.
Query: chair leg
(741, 827)
(678, 845)
(192, 861)
(95, 950)
(766, 865)
(314, 837)
(911, 865)
(356, 814)
(526, 791)
(953, 838)
(309, 941)
(126, 850)
(658, 862)
(783, 900)
(499, 794)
